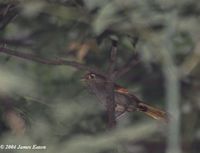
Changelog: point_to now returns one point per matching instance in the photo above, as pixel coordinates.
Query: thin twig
(113, 57)
(132, 62)
(34, 58)
(16, 42)
(8, 14)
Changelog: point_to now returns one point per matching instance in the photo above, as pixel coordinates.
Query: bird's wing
(121, 89)
(119, 114)
(119, 110)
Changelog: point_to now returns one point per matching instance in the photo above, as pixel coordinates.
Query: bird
(125, 101)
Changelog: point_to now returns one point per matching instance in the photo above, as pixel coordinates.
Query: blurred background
(50, 106)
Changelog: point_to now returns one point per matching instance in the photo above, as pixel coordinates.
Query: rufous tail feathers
(153, 112)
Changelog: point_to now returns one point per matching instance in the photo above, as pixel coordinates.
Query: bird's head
(93, 78)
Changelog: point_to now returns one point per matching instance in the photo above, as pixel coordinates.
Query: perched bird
(124, 100)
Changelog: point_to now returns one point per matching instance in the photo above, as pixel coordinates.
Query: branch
(37, 59)
(113, 57)
(132, 62)
(110, 99)
(7, 14)
(16, 42)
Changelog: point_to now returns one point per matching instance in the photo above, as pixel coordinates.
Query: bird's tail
(153, 112)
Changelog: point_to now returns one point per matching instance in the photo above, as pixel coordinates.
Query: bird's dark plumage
(124, 100)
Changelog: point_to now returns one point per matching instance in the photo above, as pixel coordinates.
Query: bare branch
(113, 57)
(37, 59)
(110, 100)
(17, 42)
(7, 14)
(132, 62)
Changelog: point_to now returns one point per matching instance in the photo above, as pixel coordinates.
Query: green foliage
(57, 109)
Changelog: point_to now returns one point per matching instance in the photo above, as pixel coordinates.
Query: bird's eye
(92, 76)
